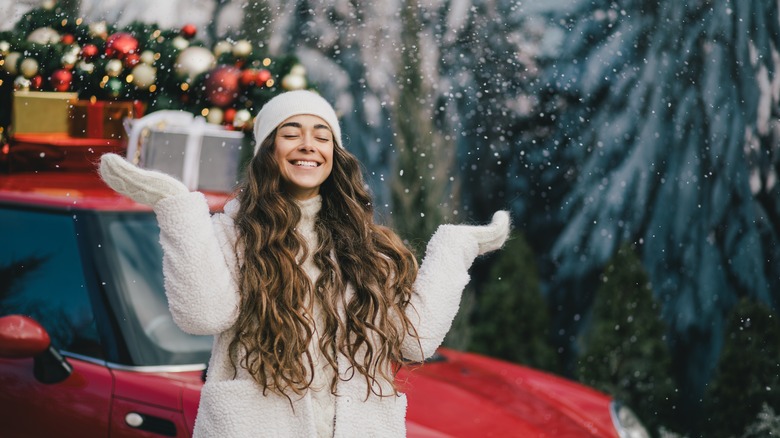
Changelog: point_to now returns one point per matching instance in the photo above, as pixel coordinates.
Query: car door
(148, 404)
(41, 277)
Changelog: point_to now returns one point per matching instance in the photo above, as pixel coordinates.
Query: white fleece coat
(201, 270)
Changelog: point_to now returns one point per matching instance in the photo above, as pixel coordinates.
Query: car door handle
(150, 423)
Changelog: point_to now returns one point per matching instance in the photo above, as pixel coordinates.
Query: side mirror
(22, 337)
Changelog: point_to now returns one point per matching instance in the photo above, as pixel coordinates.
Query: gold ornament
(242, 49)
(10, 62)
(242, 118)
(5, 47)
(144, 76)
(296, 79)
(222, 47)
(215, 115)
(29, 67)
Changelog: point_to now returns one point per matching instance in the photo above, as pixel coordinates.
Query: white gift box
(202, 155)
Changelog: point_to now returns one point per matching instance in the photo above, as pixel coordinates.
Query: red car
(89, 349)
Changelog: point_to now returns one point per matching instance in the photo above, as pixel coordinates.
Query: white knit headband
(293, 103)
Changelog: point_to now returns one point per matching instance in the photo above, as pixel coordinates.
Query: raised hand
(492, 236)
(141, 185)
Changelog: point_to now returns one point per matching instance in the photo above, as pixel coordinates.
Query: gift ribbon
(191, 171)
(95, 119)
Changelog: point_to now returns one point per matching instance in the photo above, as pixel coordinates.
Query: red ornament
(188, 31)
(222, 85)
(121, 44)
(89, 52)
(248, 78)
(263, 75)
(228, 116)
(36, 82)
(61, 80)
(67, 39)
(132, 60)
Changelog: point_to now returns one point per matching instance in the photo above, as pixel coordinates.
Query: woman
(312, 305)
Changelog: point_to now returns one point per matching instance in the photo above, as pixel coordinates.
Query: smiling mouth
(302, 163)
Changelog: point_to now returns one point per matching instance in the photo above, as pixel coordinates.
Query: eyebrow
(299, 126)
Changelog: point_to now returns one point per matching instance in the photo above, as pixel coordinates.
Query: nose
(307, 142)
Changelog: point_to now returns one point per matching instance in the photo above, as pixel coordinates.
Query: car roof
(74, 190)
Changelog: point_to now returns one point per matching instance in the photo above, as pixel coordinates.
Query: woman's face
(304, 152)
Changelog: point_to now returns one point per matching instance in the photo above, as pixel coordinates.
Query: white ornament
(69, 59)
(98, 29)
(86, 67)
(193, 61)
(241, 118)
(215, 115)
(180, 42)
(44, 35)
(5, 47)
(293, 82)
(298, 70)
(144, 76)
(147, 57)
(114, 68)
(22, 83)
(29, 67)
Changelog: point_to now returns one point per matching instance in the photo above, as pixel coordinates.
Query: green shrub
(510, 318)
(746, 385)
(623, 351)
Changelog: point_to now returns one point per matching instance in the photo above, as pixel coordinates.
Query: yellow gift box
(41, 111)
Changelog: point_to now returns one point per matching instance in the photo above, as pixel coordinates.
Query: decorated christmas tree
(49, 50)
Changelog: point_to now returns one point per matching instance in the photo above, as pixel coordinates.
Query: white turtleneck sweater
(323, 401)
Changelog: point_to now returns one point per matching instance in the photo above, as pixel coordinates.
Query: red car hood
(467, 395)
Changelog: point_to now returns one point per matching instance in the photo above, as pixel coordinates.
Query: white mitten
(492, 236)
(142, 186)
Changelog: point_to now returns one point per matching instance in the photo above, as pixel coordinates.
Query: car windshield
(152, 338)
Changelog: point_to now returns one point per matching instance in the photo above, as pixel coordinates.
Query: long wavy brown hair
(275, 324)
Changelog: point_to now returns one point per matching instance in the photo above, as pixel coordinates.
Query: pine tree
(423, 157)
(511, 319)
(257, 23)
(747, 379)
(669, 113)
(624, 350)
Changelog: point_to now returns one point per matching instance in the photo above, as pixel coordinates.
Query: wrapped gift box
(41, 111)
(203, 156)
(100, 119)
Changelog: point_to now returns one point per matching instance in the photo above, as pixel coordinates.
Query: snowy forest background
(635, 142)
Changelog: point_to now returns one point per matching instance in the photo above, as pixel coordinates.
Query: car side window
(41, 276)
